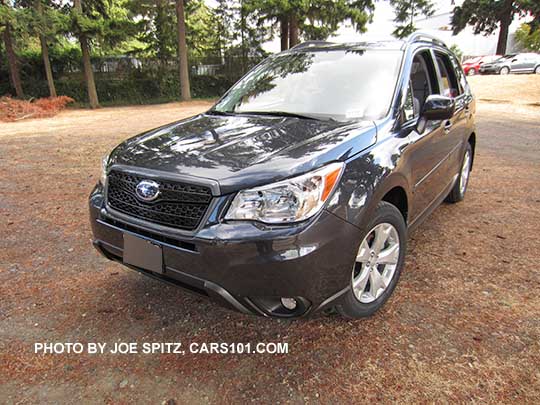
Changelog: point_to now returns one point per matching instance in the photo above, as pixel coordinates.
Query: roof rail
(420, 36)
(308, 44)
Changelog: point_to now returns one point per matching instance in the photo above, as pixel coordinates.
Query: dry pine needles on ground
(15, 110)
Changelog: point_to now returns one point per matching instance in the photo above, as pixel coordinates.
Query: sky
(439, 25)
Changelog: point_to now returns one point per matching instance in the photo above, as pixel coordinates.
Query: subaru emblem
(147, 190)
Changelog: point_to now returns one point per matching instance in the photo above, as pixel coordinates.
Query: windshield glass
(473, 60)
(343, 85)
(503, 58)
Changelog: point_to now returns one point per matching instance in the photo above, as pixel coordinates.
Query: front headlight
(287, 201)
(104, 164)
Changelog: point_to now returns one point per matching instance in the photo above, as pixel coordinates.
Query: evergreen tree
(316, 19)
(486, 16)
(406, 11)
(10, 20)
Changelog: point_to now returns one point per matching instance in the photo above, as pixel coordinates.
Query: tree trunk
(243, 47)
(12, 62)
(88, 72)
(293, 31)
(47, 64)
(45, 55)
(185, 93)
(505, 20)
(87, 64)
(284, 33)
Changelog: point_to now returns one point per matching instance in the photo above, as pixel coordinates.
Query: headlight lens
(288, 201)
(104, 164)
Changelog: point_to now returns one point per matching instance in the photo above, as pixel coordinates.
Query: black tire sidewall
(350, 306)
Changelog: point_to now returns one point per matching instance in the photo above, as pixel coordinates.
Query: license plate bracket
(142, 253)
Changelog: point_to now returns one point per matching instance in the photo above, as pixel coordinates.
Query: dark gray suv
(296, 191)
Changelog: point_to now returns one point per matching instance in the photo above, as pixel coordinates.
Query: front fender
(367, 179)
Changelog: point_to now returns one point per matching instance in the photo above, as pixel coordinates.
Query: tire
(504, 70)
(471, 72)
(459, 189)
(537, 70)
(389, 221)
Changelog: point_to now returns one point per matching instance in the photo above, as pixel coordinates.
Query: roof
(394, 44)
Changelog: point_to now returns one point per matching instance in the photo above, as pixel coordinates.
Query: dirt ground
(463, 324)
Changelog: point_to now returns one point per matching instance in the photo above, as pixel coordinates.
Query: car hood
(494, 64)
(243, 151)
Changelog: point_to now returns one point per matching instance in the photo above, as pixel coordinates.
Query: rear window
(450, 87)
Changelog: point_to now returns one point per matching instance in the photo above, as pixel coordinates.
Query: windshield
(342, 85)
(503, 58)
(472, 60)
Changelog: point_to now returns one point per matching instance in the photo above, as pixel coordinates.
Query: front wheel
(504, 70)
(471, 72)
(378, 263)
(537, 70)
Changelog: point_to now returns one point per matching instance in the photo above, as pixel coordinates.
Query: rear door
(454, 129)
(518, 63)
(529, 62)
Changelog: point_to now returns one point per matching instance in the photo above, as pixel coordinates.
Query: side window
(462, 81)
(448, 77)
(409, 111)
(422, 83)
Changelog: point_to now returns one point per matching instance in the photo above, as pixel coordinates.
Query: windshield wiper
(217, 112)
(280, 114)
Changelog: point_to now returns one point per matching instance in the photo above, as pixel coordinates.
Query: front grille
(178, 205)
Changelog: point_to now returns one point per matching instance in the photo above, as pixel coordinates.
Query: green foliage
(228, 36)
(317, 19)
(485, 15)
(134, 89)
(457, 51)
(156, 29)
(528, 39)
(324, 16)
(406, 11)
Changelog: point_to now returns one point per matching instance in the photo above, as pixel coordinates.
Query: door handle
(447, 126)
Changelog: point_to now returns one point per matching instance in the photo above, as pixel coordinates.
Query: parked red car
(472, 66)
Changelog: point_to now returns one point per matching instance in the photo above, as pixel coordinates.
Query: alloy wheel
(465, 170)
(376, 263)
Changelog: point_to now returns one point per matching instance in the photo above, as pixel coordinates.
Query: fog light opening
(289, 303)
(281, 307)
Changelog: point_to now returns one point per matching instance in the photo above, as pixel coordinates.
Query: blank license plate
(142, 253)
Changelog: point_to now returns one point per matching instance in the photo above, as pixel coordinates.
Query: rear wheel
(378, 264)
(504, 70)
(471, 72)
(457, 193)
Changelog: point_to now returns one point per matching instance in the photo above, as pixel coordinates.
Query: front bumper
(489, 70)
(245, 266)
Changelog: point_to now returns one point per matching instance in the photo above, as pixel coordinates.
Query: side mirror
(438, 107)
(514, 60)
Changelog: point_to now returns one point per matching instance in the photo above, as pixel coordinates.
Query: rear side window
(462, 81)
(449, 83)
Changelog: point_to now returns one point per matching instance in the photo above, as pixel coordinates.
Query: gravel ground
(463, 324)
